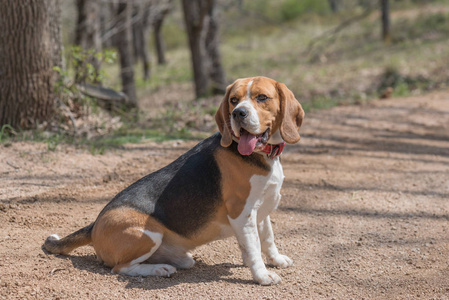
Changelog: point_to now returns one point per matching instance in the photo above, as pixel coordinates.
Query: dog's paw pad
(268, 278)
(164, 270)
(186, 262)
(281, 261)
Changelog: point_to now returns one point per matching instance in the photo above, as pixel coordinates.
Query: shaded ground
(365, 213)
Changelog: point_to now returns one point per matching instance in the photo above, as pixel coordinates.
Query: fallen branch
(102, 93)
(12, 165)
(56, 270)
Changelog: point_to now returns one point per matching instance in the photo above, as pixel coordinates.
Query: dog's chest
(263, 198)
(265, 191)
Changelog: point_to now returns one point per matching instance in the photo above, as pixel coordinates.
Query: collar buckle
(275, 150)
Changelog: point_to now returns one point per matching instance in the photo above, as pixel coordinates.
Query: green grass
(125, 135)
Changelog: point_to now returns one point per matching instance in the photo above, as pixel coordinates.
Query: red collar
(274, 150)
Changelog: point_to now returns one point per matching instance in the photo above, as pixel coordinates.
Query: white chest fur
(263, 198)
(265, 194)
(253, 226)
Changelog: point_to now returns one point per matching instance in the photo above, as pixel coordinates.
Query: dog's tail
(56, 245)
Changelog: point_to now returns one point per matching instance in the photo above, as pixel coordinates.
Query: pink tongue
(247, 143)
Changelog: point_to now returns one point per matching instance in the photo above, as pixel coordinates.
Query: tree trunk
(158, 41)
(56, 35)
(385, 8)
(87, 34)
(163, 9)
(194, 13)
(88, 25)
(30, 36)
(125, 48)
(216, 71)
(335, 5)
(107, 12)
(141, 33)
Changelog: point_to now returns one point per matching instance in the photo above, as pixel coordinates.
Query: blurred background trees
(201, 24)
(385, 12)
(174, 55)
(30, 47)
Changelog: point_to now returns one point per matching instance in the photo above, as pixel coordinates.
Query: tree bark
(216, 71)
(30, 36)
(88, 25)
(141, 31)
(335, 5)
(125, 48)
(194, 13)
(385, 9)
(158, 41)
(162, 9)
(56, 35)
(87, 34)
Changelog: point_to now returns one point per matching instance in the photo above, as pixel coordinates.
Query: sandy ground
(364, 214)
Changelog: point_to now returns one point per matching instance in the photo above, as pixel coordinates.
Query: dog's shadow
(200, 273)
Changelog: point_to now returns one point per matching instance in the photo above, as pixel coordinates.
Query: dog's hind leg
(185, 261)
(173, 255)
(124, 239)
(136, 267)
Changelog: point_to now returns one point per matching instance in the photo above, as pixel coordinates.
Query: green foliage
(87, 63)
(97, 146)
(53, 141)
(133, 135)
(284, 10)
(426, 27)
(83, 66)
(173, 33)
(402, 85)
(320, 102)
(292, 9)
(4, 132)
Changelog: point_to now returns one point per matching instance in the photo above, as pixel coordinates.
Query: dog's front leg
(245, 228)
(269, 247)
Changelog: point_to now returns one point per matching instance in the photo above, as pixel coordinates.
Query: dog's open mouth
(249, 142)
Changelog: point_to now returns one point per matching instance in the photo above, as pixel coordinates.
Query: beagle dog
(227, 184)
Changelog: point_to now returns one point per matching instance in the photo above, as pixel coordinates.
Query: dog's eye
(234, 100)
(262, 98)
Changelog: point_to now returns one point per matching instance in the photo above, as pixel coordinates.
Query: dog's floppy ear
(223, 120)
(292, 114)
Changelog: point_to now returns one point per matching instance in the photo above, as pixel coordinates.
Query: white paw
(267, 278)
(54, 237)
(245, 258)
(281, 261)
(186, 262)
(164, 270)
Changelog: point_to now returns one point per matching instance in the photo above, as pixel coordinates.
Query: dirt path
(365, 213)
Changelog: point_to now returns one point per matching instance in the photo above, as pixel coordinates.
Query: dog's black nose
(240, 113)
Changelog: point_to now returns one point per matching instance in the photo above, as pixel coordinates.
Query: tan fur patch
(118, 238)
(236, 175)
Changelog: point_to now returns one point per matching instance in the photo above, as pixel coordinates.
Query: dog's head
(258, 111)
